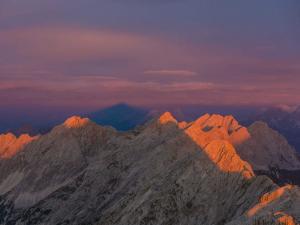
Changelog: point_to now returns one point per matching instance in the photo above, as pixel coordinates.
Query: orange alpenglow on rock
(259, 145)
(10, 145)
(215, 134)
(167, 117)
(217, 127)
(76, 122)
(223, 154)
(268, 198)
(284, 219)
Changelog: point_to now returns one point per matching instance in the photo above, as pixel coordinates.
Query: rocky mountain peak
(260, 126)
(11, 145)
(76, 122)
(215, 121)
(210, 134)
(261, 146)
(202, 119)
(211, 127)
(167, 117)
(266, 148)
(7, 136)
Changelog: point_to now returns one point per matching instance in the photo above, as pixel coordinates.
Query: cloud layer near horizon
(164, 52)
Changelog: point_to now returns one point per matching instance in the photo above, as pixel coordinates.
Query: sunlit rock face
(165, 172)
(261, 146)
(76, 122)
(11, 145)
(213, 127)
(223, 154)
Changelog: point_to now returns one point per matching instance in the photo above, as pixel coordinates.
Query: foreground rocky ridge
(166, 172)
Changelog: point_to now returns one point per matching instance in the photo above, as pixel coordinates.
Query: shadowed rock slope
(166, 172)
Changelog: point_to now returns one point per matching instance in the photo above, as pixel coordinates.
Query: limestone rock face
(212, 127)
(223, 154)
(166, 172)
(259, 145)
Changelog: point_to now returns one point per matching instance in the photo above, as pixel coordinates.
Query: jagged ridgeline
(165, 172)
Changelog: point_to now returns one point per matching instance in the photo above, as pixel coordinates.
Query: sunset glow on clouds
(165, 52)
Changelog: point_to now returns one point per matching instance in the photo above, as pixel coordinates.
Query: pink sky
(148, 54)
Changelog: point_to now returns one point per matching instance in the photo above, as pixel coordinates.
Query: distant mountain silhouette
(121, 116)
(284, 121)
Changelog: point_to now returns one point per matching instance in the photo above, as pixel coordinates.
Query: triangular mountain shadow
(121, 116)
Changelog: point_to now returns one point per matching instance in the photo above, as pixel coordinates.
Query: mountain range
(124, 117)
(207, 171)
